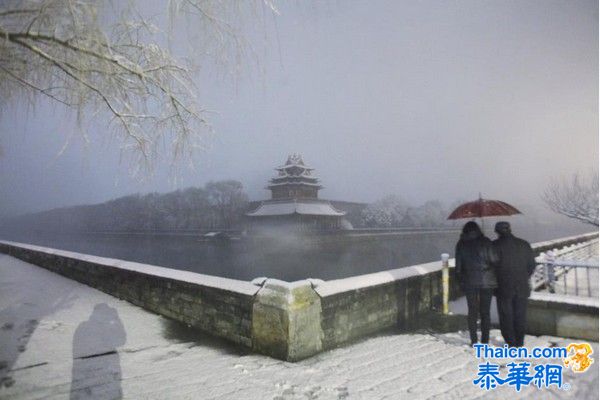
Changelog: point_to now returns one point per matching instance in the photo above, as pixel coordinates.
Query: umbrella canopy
(483, 208)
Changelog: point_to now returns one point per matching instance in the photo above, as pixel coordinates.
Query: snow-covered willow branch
(106, 61)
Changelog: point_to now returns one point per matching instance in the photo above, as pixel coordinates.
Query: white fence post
(445, 283)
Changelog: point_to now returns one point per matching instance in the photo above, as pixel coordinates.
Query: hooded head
(471, 231)
(502, 228)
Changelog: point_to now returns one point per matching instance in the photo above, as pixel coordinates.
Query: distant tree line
(216, 205)
(394, 212)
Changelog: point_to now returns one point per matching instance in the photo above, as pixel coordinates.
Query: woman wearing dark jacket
(475, 260)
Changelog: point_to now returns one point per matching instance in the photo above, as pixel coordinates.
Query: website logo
(579, 357)
(522, 373)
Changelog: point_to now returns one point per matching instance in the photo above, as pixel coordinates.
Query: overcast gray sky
(422, 99)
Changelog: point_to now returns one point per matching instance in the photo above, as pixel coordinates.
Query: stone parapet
(286, 320)
(219, 306)
(292, 321)
(564, 316)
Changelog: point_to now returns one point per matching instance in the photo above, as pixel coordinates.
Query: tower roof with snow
(294, 192)
(295, 173)
(294, 160)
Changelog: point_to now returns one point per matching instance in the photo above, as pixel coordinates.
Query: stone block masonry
(219, 306)
(563, 316)
(289, 321)
(359, 306)
(286, 321)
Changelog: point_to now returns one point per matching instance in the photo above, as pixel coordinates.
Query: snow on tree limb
(576, 198)
(65, 51)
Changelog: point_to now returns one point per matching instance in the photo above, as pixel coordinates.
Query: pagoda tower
(294, 180)
(294, 202)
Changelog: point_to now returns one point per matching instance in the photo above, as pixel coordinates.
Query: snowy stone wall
(541, 247)
(219, 306)
(292, 321)
(286, 322)
(560, 315)
(362, 305)
(359, 306)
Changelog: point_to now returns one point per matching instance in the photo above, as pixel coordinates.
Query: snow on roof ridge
(295, 206)
(294, 160)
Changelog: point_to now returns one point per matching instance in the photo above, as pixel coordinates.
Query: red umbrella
(483, 208)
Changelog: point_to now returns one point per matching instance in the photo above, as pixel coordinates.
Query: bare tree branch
(65, 50)
(576, 198)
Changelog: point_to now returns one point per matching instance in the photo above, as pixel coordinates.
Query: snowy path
(61, 339)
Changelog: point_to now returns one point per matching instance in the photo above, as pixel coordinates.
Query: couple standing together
(501, 267)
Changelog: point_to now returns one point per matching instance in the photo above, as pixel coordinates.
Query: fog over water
(288, 256)
(425, 100)
(283, 257)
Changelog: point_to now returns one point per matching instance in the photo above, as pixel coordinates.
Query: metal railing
(558, 273)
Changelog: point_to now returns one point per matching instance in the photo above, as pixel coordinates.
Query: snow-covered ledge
(562, 242)
(219, 306)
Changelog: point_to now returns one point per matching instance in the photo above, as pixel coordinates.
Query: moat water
(284, 257)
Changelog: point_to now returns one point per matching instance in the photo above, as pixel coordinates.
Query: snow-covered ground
(61, 339)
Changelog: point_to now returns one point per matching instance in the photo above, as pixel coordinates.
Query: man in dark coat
(516, 263)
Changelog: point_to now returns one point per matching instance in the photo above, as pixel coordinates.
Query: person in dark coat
(475, 259)
(516, 263)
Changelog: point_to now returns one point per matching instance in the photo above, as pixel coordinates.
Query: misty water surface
(284, 257)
